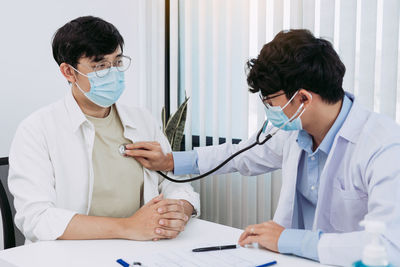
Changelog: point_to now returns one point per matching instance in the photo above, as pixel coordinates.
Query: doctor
(339, 161)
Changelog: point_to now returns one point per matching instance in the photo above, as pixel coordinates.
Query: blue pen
(123, 263)
(267, 264)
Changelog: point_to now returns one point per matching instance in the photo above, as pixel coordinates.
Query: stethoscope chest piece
(122, 150)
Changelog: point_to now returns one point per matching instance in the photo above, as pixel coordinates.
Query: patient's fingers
(166, 233)
(175, 216)
(155, 200)
(168, 201)
(177, 225)
(171, 208)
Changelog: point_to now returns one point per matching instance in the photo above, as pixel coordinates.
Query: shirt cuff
(303, 243)
(185, 162)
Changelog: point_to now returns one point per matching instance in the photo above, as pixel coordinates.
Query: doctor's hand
(265, 234)
(150, 155)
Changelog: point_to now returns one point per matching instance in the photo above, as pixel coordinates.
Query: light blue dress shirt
(185, 162)
(301, 241)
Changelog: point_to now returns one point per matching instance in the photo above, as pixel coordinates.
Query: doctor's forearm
(300, 242)
(185, 162)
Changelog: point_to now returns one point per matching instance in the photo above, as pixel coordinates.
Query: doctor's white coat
(360, 180)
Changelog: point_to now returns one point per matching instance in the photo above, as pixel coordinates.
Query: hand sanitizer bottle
(374, 254)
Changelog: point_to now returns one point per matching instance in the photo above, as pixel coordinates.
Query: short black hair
(293, 60)
(85, 37)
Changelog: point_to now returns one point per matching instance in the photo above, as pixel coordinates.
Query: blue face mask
(104, 91)
(279, 119)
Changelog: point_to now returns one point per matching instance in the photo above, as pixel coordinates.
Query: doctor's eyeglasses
(267, 99)
(102, 68)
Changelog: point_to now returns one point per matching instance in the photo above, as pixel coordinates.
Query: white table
(100, 253)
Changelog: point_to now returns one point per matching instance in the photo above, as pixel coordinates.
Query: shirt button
(312, 158)
(312, 187)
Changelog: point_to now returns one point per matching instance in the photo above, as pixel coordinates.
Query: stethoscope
(257, 142)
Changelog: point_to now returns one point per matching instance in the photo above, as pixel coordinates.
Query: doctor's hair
(295, 60)
(88, 36)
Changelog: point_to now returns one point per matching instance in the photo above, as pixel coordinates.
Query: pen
(123, 263)
(214, 248)
(267, 264)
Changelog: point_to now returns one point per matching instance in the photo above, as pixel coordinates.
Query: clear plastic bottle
(374, 253)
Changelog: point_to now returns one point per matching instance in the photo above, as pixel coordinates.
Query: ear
(306, 97)
(68, 72)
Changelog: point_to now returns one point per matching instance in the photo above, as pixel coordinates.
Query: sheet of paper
(186, 258)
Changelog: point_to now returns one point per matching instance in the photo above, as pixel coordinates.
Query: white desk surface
(101, 253)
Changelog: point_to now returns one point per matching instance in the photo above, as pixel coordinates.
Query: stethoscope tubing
(257, 142)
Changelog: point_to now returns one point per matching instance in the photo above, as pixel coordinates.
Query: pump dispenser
(374, 253)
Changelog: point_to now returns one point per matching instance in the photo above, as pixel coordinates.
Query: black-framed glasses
(265, 99)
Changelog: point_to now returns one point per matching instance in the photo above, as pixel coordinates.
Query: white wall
(30, 77)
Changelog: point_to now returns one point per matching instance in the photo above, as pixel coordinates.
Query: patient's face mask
(106, 89)
(278, 118)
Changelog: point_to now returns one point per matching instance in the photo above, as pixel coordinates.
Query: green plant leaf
(179, 131)
(176, 125)
(163, 119)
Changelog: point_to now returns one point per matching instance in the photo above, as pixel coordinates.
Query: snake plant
(175, 126)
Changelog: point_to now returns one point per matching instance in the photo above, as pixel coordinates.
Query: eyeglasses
(122, 63)
(265, 99)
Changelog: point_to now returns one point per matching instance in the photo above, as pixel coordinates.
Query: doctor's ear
(68, 72)
(306, 97)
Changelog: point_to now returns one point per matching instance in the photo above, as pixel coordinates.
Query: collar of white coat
(355, 120)
(77, 117)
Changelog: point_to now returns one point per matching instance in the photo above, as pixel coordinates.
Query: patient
(67, 176)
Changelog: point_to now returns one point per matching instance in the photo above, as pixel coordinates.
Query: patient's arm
(143, 225)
